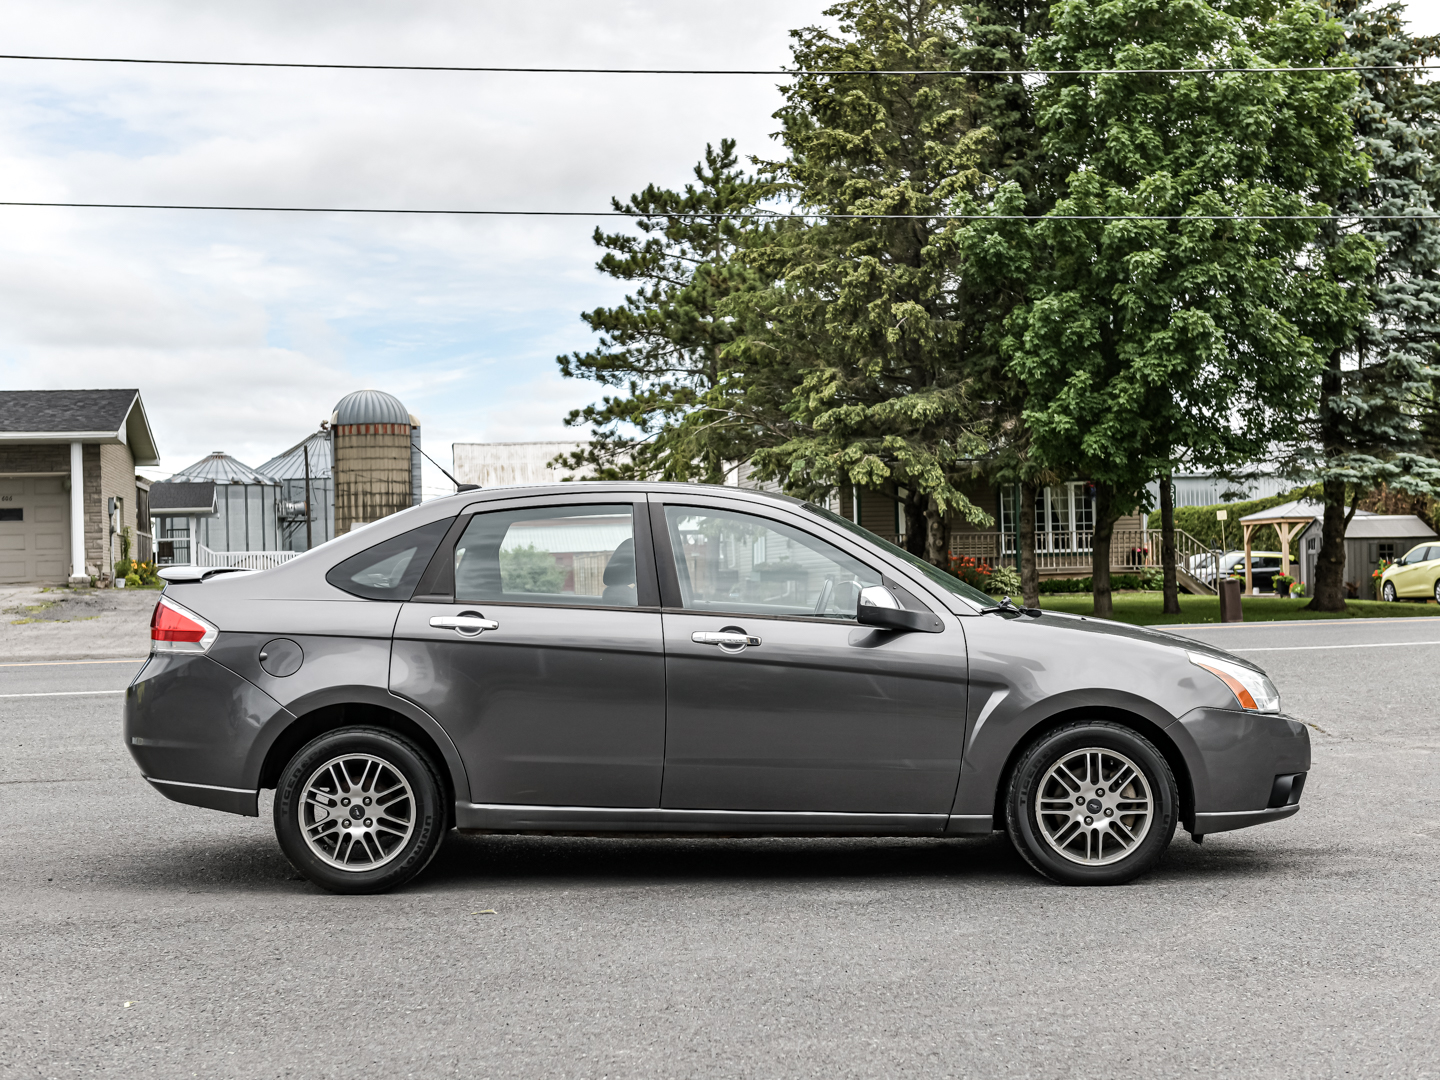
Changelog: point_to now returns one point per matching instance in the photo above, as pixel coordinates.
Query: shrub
(1005, 581)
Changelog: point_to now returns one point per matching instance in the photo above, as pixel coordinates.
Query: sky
(242, 330)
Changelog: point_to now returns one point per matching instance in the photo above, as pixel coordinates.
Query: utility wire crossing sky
(791, 72)
(748, 216)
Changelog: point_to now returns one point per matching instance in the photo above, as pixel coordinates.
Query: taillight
(174, 629)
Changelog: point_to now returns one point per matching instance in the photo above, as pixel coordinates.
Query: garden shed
(1370, 538)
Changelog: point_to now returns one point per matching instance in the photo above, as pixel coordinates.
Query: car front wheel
(359, 810)
(1387, 592)
(1092, 803)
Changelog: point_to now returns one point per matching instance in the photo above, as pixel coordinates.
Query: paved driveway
(139, 937)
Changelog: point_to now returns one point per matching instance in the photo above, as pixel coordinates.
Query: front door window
(736, 562)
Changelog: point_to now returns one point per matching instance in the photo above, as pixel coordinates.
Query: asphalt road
(139, 937)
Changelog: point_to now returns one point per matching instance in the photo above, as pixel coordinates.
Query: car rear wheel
(1388, 594)
(1091, 803)
(359, 810)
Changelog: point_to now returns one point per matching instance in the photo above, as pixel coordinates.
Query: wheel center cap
(357, 813)
(1094, 806)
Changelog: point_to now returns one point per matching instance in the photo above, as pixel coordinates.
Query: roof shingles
(44, 411)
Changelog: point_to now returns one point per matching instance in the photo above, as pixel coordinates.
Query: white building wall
(502, 464)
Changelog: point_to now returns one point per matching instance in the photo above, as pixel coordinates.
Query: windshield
(949, 582)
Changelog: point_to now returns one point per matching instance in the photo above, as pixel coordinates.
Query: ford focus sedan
(649, 658)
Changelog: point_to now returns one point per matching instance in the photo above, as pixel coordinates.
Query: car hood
(1126, 632)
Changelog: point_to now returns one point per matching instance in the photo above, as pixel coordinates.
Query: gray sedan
(656, 658)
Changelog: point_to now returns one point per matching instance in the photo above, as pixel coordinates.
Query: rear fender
(362, 695)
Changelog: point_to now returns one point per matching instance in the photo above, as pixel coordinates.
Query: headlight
(1251, 689)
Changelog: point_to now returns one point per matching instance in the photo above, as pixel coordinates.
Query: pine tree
(870, 314)
(662, 347)
(1382, 329)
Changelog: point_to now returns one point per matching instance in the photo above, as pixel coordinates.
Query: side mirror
(879, 607)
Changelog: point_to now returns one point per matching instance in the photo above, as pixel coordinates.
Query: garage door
(34, 530)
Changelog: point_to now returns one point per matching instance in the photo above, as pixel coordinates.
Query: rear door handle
(468, 625)
(726, 639)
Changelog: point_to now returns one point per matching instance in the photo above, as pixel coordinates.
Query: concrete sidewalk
(74, 624)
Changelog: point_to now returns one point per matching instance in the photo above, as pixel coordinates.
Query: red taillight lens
(167, 624)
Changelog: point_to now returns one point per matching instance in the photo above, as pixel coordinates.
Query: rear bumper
(191, 724)
(1245, 768)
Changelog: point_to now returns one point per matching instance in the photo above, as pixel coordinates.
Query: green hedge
(1199, 521)
(1083, 584)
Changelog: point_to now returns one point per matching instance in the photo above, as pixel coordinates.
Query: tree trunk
(1167, 546)
(1105, 518)
(1029, 570)
(1330, 565)
(937, 536)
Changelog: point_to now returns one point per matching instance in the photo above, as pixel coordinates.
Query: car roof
(656, 486)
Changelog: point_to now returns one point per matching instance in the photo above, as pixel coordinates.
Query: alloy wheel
(1094, 806)
(357, 812)
(1387, 591)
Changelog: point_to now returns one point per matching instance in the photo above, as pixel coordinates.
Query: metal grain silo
(247, 507)
(376, 463)
(304, 473)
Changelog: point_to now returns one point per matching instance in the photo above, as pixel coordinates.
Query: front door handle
(465, 623)
(726, 639)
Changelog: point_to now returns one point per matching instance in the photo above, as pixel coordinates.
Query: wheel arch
(384, 715)
(1167, 746)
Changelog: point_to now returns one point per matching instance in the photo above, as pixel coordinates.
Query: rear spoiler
(193, 575)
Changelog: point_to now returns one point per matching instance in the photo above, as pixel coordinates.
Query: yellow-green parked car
(1414, 574)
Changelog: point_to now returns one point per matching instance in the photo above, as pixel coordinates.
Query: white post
(77, 513)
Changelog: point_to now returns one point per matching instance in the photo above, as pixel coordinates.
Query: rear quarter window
(391, 569)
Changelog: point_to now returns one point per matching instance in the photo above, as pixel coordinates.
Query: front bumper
(1243, 767)
(191, 724)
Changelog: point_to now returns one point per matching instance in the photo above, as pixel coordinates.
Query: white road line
(64, 693)
(1311, 648)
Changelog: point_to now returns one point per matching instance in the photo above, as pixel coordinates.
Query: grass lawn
(1143, 608)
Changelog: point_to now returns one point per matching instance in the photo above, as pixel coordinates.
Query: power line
(753, 215)
(788, 72)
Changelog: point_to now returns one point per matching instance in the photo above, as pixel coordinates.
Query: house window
(1385, 551)
(1064, 517)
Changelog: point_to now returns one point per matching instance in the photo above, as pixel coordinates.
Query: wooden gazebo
(1289, 521)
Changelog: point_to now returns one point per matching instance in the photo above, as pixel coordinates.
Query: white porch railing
(243, 560)
(1131, 550)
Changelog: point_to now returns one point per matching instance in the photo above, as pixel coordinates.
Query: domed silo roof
(370, 407)
(220, 468)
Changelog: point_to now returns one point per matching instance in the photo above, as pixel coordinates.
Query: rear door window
(575, 555)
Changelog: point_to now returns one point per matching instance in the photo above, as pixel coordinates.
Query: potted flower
(1284, 583)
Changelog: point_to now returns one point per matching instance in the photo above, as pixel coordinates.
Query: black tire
(1388, 594)
(1031, 837)
(382, 855)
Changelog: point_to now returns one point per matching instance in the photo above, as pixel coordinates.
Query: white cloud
(243, 330)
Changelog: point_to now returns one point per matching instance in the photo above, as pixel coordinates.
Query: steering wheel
(827, 591)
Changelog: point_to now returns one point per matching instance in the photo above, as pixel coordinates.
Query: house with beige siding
(68, 484)
(1064, 527)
